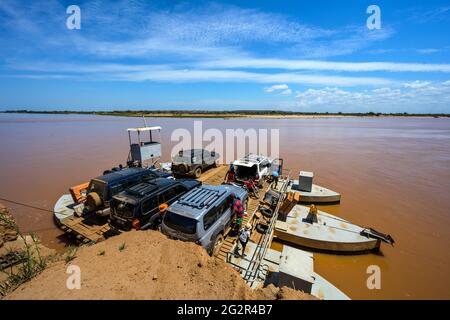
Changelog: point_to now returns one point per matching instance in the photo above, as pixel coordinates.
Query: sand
(150, 266)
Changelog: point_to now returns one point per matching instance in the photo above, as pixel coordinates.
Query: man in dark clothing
(156, 220)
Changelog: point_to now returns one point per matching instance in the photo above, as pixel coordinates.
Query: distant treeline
(233, 113)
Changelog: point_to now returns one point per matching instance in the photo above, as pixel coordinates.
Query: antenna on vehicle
(145, 122)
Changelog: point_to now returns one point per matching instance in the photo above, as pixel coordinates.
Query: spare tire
(93, 201)
(266, 212)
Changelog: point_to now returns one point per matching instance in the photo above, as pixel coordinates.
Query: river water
(393, 174)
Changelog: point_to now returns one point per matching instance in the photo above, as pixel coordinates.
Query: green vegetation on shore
(227, 114)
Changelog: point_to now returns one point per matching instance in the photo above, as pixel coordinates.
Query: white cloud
(433, 97)
(416, 84)
(282, 89)
(276, 87)
(286, 92)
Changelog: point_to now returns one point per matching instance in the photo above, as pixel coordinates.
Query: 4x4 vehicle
(134, 207)
(193, 162)
(101, 189)
(203, 215)
(252, 167)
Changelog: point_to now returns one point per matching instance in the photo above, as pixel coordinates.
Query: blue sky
(290, 55)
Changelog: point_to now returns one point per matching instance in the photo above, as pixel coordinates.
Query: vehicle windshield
(98, 187)
(244, 173)
(124, 209)
(180, 223)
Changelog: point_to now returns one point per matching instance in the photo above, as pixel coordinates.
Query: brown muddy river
(393, 173)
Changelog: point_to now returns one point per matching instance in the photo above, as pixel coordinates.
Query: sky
(307, 56)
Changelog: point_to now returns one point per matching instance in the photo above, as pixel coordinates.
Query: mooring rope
(27, 205)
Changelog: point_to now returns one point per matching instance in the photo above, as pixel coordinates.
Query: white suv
(252, 166)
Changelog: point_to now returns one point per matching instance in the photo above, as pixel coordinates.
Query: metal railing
(255, 266)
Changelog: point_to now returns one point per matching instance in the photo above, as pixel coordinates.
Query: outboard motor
(372, 233)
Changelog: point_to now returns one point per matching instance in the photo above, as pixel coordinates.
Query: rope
(32, 207)
(29, 205)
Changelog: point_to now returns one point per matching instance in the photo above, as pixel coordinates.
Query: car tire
(197, 172)
(217, 244)
(262, 228)
(266, 212)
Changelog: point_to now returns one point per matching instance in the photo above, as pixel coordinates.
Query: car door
(149, 207)
(209, 228)
(227, 213)
(223, 213)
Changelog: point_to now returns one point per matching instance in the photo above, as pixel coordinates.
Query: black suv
(103, 188)
(134, 207)
(193, 162)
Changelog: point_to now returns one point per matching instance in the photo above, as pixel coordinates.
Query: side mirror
(213, 153)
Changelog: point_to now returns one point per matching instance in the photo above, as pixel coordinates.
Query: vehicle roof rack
(201, 197)
(141, 189)
(252, 157)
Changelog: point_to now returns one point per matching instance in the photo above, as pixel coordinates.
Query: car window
(223, 207)
(116, 188)
(210, 218)
(149, 204)
(169, 194)
(180, 223)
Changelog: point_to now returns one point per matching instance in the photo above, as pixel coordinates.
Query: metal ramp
(254, 269)
(230, 240)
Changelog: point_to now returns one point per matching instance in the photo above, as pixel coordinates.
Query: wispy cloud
(167, 73)
(428, 50)
(326, 65)
(433, 14)
(111, 31)
(141, 41)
